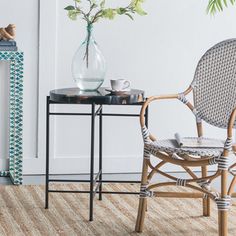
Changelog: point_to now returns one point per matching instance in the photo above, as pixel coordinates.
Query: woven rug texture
(22, 213)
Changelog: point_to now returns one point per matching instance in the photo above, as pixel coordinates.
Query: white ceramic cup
(120, 84)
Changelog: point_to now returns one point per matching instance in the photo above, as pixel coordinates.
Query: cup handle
(126, 84)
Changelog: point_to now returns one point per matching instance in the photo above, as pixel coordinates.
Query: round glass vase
(88, 64)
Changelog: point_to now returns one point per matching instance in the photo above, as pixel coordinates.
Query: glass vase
(88, 65)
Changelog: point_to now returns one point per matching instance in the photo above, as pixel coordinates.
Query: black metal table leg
(100, 154)
(146, 117)
(92, 162)
(47, 151)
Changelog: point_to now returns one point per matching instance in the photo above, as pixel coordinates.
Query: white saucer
(117, 91)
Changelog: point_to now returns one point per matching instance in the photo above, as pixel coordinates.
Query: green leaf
(69, 8)
(131, 17)
(218, 5)
(109, 13)
(138, 9)
(121, 10)
(102, 4)
(73, 14)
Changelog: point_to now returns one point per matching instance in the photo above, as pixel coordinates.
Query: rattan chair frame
(186, 163)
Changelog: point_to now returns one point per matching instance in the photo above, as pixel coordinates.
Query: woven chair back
(214, 84)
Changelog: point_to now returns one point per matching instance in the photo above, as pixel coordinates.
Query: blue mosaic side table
(16, 60)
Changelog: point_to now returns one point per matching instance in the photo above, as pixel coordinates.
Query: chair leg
(206, 201)
(142, 200)
(223, 215)
(223, 223)
(141, 215)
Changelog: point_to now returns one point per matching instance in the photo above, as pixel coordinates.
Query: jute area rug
(22, 213)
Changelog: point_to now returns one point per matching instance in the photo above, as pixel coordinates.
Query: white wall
(25, 15)
(158, 53)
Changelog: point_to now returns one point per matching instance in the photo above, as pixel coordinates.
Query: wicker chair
(214, 96)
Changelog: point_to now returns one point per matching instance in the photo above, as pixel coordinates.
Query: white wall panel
(25, 15)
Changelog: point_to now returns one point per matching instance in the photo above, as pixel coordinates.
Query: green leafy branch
(97, 10)
(218, 5)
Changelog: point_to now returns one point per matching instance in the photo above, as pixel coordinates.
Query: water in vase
(89, 84)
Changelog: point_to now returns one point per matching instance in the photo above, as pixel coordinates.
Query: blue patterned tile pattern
(16, 115)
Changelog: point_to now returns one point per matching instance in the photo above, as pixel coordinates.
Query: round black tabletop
(101, 96)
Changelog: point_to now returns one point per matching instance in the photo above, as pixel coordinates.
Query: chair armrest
(230, 127)
(154, 98)
(231, 123)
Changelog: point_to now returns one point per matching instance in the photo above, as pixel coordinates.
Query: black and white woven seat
(214, 102)
(171, 147)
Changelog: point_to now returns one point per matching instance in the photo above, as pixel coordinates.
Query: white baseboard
(72, 165)
(4, 164)
(81, 165)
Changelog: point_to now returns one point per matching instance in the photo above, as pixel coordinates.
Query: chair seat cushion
(170, 146)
